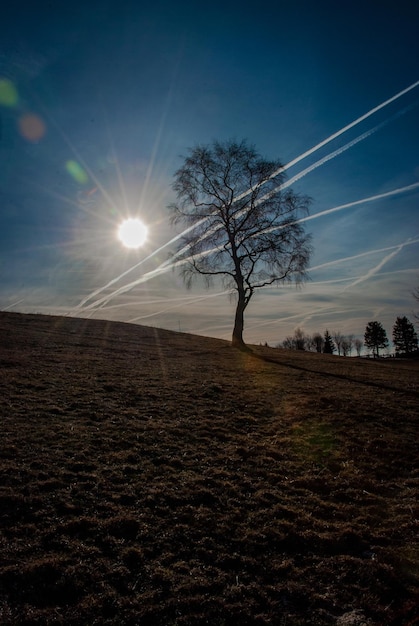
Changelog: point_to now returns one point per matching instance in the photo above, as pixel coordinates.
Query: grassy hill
(159, 478)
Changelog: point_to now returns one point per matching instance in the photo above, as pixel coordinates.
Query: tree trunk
(237, 340)
(242, 302)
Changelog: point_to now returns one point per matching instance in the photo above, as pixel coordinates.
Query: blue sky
(100, 100)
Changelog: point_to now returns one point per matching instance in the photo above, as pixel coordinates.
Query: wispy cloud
(381, 264)
(180, 305)
(334, 306)
(396, 249)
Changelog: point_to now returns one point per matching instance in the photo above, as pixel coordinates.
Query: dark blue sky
(98, 101)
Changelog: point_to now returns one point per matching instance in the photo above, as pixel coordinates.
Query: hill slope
(150, 477)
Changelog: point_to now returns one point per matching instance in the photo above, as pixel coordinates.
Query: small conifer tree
(375, 337)
(405, 338)
(329, 346)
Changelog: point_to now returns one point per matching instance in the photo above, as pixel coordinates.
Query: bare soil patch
(159, 478)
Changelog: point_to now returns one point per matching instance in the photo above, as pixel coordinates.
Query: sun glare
(132, 232)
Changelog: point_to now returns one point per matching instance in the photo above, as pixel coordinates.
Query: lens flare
(31, 127)
(77, 172)
(8, 93)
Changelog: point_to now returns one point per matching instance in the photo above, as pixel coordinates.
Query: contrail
(335, 135)
(290, 317)
(12, 305)
(177, 306)
(162, 269)
(394, 251)
(371, 272)
(147, 258)
(366, 276)
(348, 205)
(159, 300)
(348, 145)
(309, 169)
(283, 168)
(328, 157)
(166, 266)
(362, 254)
(386, 259)
(312, 167)
(320, 162)
(348, 126)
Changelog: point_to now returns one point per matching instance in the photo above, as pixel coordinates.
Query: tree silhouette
(240, 226)
(405, 338)
(318, 342)
(358, 346)
(298, 341)
(347, 345)
(329, 347)
(375, 337)
(415, 294)
(338, 338)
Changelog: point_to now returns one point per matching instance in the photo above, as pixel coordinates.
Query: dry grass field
(159, 479)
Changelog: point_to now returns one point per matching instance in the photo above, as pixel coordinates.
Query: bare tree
(300, 339)
(240, 226)
(338, 338)
(288, 343)
(318, 341)
(347, 345)
(297, 341)
(358, 343)
(310, 343)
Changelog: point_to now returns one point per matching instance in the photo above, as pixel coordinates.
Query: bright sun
(132, 232)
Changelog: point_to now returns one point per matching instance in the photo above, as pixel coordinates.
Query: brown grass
(158, 478)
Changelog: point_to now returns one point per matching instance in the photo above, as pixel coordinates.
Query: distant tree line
(405, 340)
